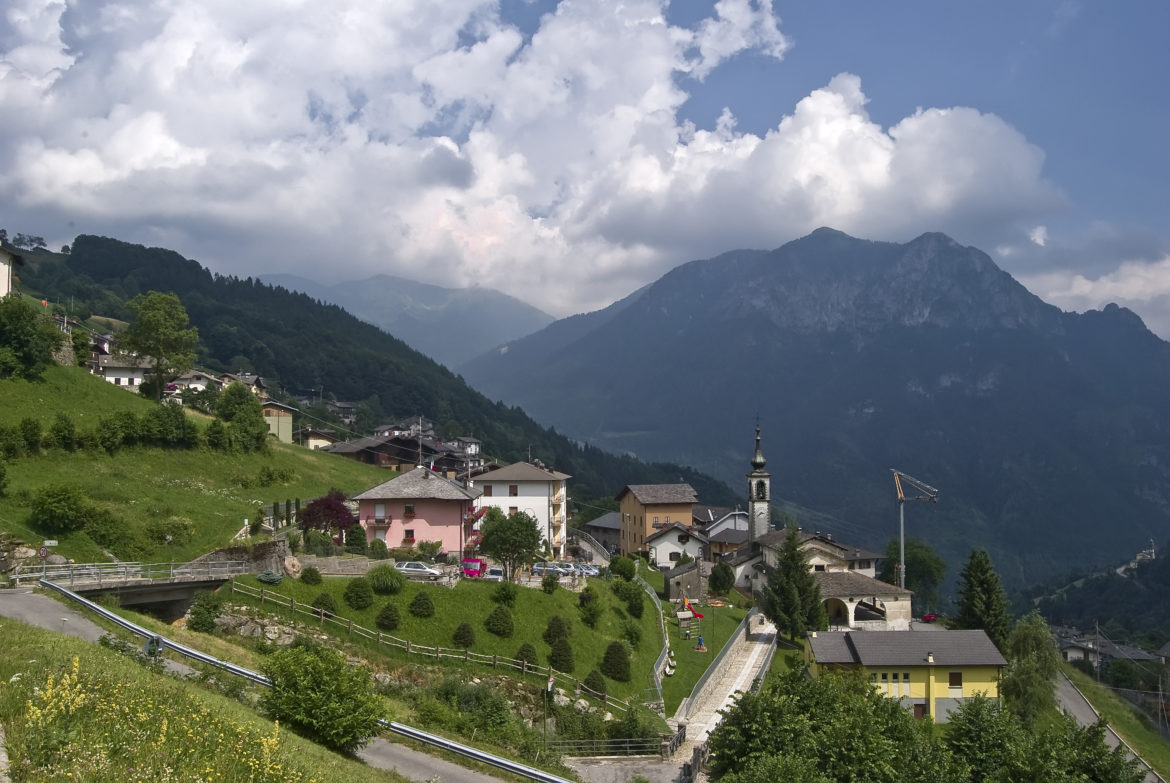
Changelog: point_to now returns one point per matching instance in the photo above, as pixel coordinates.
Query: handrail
(121, 572)
(593, 543)
(401, 729)
(715, 664)
(657, 676)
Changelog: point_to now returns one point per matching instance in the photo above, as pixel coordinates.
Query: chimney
(930, 657)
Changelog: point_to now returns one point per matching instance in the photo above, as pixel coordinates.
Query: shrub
(500, 622)
(359, 594)
(310, 575)
(633, 633)
(623, 567)
(595, 682)
(355, 540)
(634, 605)
(172, 530)
(505, 594)
(623, 590)
(377, 550)
(722, 579)
(558, 628)
(329, 700)
(388, 618)
(294, 541)
(30, 432)
(59, 508)
(422, 606)
(326, 602)
(204, 609)
(561, 656)
(386, 580)
(464, 635)
(270, 577)
(550, 583)
(591, 613)
(616, 663)
(526, 653)
(62, 432)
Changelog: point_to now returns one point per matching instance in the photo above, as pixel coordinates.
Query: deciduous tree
(925, 571)
(27, 339)
(511, 540)
(1029, 683)
(160, 332)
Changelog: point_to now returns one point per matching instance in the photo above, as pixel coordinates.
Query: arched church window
(761, 491)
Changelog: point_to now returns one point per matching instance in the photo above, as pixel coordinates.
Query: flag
(691, 609)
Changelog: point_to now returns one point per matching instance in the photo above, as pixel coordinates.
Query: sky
(569, 152)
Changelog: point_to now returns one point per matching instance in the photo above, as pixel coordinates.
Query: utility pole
(927, 493)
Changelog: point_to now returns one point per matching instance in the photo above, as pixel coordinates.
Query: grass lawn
(120, 721)
(716, 628)
(214, 492)
(470, 601)
(1128, 724)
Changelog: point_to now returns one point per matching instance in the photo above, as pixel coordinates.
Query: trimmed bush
(550, 583)
(558, 628)
(505, 593)
(326, 602)
(500, 622)
(591, 613)
(595, 682)
(464, 635)
(422, 605)
(386, 580)
(359, 594)
(634, 605)
(388, 618)
(377, 550)
(623, 567)
(310, 575)
(633, 633)
(526, 653)
(616, 663)
(355, 540)
(561, 656)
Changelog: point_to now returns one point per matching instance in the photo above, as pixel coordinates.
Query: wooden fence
(497, 662)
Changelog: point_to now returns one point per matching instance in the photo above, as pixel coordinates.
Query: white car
(494, 574)
(417, 570)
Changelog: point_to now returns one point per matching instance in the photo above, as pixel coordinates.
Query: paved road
(44, 612)
(1074, 703)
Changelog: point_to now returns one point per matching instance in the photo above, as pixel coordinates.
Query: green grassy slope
(1122, 717)
(216, 492)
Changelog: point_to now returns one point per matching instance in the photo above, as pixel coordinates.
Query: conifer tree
(982, 603)
(792, 599)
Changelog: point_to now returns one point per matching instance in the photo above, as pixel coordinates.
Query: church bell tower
(759, 495)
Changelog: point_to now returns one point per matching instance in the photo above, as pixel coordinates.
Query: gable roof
(680, 528)
(905, 648)
(522, 471)
(660, 494)
(840, 584)
(418, 484)
(611, 520)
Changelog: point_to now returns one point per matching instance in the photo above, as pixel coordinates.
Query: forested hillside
(298, 343)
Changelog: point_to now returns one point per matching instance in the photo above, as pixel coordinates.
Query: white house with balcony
(533, 489)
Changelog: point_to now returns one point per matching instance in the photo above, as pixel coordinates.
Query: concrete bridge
(164, 589)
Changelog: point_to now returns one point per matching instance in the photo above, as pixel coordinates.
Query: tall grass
(73, 711)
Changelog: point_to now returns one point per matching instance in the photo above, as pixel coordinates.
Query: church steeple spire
(759, 495)
(758, 461)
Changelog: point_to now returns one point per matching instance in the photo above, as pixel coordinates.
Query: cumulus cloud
(436, 141)
(1141, 285)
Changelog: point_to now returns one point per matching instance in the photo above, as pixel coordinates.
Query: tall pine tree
(982, 603)
(792, 599)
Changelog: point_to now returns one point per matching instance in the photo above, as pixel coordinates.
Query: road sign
(43, 552)
(50, 542)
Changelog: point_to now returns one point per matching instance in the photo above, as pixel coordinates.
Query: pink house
(417, 506)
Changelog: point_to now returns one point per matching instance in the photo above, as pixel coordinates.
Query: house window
(885, 683)
(487, 490)
(656, 520)
(905, 683)
(513, 490)
(117, 381)
(895, 687)
(408, 510)
(512, 509)
(674, 556)
(408, 534)
(819, 567)
(380, 512)
(955, 680)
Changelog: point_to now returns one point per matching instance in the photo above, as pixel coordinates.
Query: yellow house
(930, 672)
(648, 508)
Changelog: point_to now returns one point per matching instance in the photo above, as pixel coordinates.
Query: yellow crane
(927, 493)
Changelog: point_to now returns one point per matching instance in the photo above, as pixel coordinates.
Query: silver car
(416, 570)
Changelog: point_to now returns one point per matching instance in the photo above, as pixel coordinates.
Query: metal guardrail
(400, 729)
(715, 664)
(658, 664)
(597, 548)
(102, 573)
(607, 747)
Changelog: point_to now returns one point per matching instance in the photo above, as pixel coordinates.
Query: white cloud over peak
(436, 141)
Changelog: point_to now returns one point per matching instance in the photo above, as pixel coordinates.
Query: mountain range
(1048, 433)
(450, 325)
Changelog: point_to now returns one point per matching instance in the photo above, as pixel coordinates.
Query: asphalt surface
(1073, 702)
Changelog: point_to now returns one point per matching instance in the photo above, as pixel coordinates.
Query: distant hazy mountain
(450, 325)
(1048, 433)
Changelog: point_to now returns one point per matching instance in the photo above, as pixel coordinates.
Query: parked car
(473, 567)
(416, 570)
(540, 569)
(494, 574)
(587, 569)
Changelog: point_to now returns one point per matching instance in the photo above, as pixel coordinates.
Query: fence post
(495, 661)
(408, 646)
(292, 604)
(262, 596)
